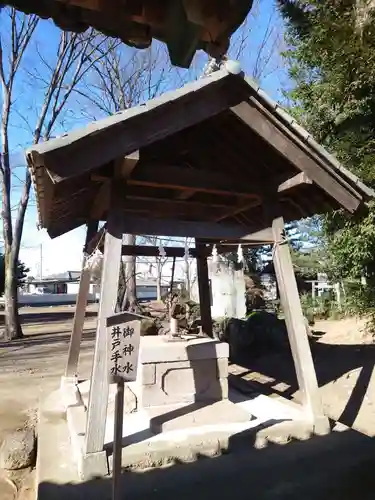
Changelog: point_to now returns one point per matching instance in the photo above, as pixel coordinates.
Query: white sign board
(124, 334)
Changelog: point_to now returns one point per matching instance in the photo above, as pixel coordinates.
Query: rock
(148, 327)
(18, 450)
(8, 490)
(239, 337)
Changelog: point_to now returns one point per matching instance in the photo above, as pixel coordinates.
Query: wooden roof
(184, 25)
(207, 160)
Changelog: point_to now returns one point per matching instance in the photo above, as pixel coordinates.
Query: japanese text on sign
(123, 332)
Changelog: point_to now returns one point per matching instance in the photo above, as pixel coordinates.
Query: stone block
(18, 450)
(152, 395)
(93, 465)
(199, 415)
(149, 374)
(186, 382)
(155, 349)
(222, 368)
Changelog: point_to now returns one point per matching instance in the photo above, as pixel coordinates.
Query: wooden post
(117, 440)
(204, 292)
(79, 314)
(98, 399)
(295, 323)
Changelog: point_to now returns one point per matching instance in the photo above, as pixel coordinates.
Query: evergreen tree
(22, 271)
(332, 63)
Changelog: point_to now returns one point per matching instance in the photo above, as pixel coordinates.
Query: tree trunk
(187, 272)
(187, 278)
(158, 279)
(130, 296)
(13, 328)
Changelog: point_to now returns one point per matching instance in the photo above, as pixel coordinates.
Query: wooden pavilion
(217, 160)
(185, 26)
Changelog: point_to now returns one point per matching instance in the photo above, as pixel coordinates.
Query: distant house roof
(65, 276)
(212, 157)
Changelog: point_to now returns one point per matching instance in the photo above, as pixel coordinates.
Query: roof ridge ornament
(217, 63)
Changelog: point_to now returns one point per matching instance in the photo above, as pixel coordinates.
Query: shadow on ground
(331, 362)
(43, 317)
(41, 346)
(335, 467)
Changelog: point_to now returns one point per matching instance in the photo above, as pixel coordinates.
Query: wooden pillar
(295, 323)
(81, 303)
(99, 387)
(204, 291)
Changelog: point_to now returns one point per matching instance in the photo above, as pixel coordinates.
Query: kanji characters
(115, 343)
(128, 349)
(128, 367)
(128, 332)
(116, 332)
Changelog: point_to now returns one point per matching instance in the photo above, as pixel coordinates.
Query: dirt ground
(34, 365)
(344, 358)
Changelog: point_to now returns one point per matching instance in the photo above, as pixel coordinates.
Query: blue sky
(257, 45)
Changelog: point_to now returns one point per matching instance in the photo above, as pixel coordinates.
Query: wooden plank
(175, 208)
(79, 314)
(203, 181)
(153, 251)
(268, 131)
(178, 202)
(185, 195)
(296, 327)
(102, 201)
(183, 228)
(342, 176)
(128, 164)
(98, 399)
(300, 179)
(204, 291)
(102, 142)
(124, 168)
(238, 209)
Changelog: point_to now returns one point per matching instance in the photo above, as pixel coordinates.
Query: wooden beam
(152, 251)
(81, 303)
(269, 132)
(204, 291)
(102, 201)
(174, 208)
(185, 195)
(261, 237)
(238, 209)
(98, 398)
(300, 179)
(124, 168)
(296, 327)
(183, 228)
(183, 179)
(128, 164)
(173, 203)
(336, 173)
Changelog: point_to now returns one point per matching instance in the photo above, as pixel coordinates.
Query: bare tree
(74, 57)
(159, 260)
(124, 78)
(259, 42)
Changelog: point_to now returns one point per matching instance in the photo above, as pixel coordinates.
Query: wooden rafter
(189, 179)
(125, 132)
(265, 127)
